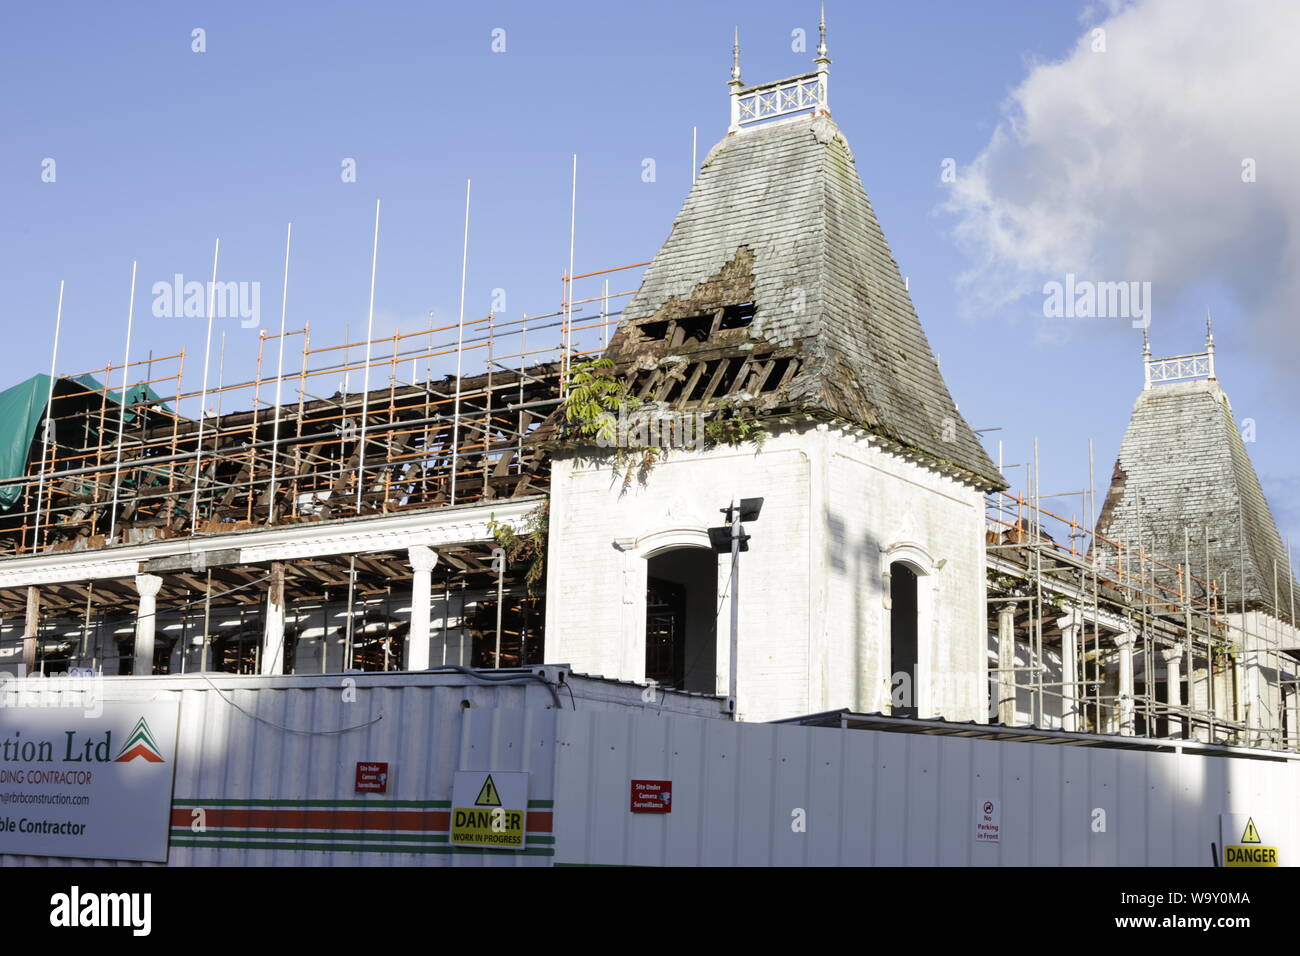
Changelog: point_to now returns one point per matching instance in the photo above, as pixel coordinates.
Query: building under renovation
(558, 500)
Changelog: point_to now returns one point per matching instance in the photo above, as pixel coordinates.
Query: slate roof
(785, 201)
(1183, 463)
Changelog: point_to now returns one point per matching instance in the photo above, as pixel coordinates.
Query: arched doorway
(681, 618)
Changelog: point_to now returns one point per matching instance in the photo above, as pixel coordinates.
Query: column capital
(1071, 619)
(422, 557)
(147, 585)
(1171, 655)
(1124, 639)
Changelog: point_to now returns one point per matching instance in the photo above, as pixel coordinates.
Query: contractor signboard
(77, 783)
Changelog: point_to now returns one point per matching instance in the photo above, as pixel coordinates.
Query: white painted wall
(814, 619)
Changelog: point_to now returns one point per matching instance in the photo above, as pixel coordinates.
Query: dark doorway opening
(681, 619)
(902, 640)
(665, 632)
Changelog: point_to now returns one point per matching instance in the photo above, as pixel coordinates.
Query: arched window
(903, 644)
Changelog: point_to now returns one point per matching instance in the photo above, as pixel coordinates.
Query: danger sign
(489, 809)
(1242, 843)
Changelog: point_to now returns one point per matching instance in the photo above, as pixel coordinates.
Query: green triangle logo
(488, 796)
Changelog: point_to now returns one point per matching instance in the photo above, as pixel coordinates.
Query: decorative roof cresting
(768, 101)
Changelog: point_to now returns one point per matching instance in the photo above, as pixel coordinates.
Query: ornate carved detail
(1178, 368)
(781, 98)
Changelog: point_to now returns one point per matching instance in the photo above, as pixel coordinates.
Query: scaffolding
(126, 454)
(1093, 634)
(118, 462)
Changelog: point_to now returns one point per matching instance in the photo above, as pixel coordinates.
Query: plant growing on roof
(734, 426)
(1223, 654)
(592, 401)
(598, 405)
(526, 543)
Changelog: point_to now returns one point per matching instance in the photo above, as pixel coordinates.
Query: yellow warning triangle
(488, 797)
(1249, 835)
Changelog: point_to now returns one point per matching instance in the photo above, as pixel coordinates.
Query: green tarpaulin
(23, 406)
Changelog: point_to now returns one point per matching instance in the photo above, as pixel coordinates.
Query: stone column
(1006, 664)
(1124, 642)
(31, 630)
(1250, 664)
(422, 561)
(273, 633)
(1069, 672)
(146, 585)
(1173, 658)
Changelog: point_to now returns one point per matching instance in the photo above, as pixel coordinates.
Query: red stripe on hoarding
(429, 821)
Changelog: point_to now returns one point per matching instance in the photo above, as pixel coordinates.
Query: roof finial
(1146, 356)
(821, 43)
(823, 63)
(1209, 341)
(735, 84)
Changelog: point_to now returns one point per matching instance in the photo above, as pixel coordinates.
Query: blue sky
(160, 149)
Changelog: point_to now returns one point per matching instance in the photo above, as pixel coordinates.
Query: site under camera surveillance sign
(489, 808)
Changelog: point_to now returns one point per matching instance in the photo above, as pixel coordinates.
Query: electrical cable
(289, 730)
(507, 678)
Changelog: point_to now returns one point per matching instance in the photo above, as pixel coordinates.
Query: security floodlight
(720, 540)
(749, 509)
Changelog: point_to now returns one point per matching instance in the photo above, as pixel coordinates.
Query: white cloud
(1126, 165)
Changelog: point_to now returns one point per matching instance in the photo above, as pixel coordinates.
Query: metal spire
(823, 64)
(1209, 342)
(735, 84)
(822, 58)
(1146, 357)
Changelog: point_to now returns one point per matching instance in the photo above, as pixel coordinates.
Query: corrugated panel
(265, 767)
(265, 776)
(889, 799)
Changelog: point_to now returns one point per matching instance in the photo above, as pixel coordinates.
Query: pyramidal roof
(1183, 465)
(777, 257)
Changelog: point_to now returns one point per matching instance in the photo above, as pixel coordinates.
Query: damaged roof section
(78, 483)
(776, 288)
